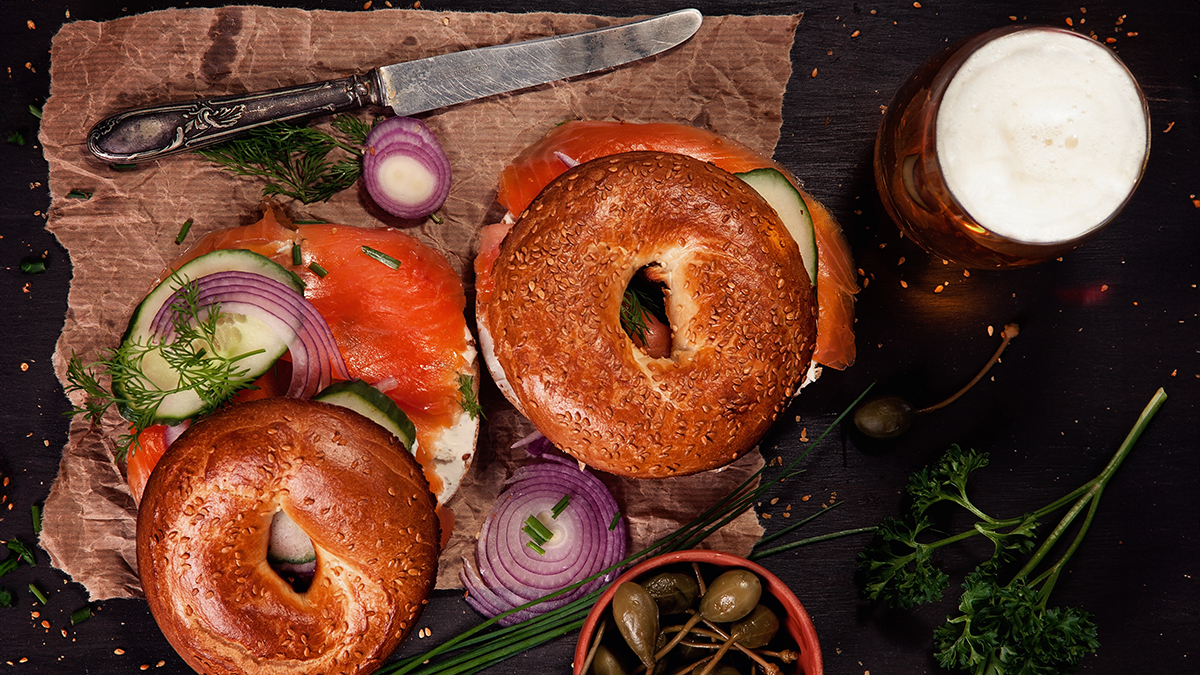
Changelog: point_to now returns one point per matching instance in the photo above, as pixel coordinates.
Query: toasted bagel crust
(740, 305)
(203, 528)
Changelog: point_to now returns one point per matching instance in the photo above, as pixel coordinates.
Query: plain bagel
(740, 306)
(203, 528)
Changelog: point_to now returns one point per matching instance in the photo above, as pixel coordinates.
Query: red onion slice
(510, 573)
(405, 169)
(315, 355)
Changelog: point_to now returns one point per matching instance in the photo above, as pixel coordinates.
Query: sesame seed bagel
(205, 519)
(739, 303)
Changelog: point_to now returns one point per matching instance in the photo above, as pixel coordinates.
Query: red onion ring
(408, 138)
(510, 573)
(315, 355)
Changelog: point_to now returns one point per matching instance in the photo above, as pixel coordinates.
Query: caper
(674, 592)
(606, 662)
(884, 417)
(636, 616)
(731, 596)
(756, 629)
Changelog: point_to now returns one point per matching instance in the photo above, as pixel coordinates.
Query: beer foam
(1041, 135)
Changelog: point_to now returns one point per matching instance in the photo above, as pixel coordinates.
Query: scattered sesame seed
(903, 284)
(854, 34)
(1069, 22)
(118, 651)
(806, 498)
(814, 72)
(939, 288)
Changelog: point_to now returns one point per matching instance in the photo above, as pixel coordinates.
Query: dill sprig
(191, 352)
(469, 403)
(295, 158)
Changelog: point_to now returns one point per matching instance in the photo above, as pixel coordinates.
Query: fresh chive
(318, 270)
(79, 194)
(35, 111)
(382, 257)
(37, 592)
(8, 565)
(616, 519)
(537, 531)
(560, 506)
(22, 551)
(534, 546)
(5, 597)
(437, 218)
(309, 222)
(80, 615)
(32, 265)
(183, 231)
(16, 138)
(36, 512)
(123, 167)
(297, 258)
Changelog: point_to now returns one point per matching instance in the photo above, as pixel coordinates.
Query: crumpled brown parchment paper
(729, 78)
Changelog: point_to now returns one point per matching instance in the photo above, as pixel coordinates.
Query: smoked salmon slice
(582, 141)
(401, 330)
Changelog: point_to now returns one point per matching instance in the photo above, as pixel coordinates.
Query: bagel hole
(644, 313)
(290, 552)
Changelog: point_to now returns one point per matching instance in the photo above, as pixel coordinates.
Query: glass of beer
(1012, 147)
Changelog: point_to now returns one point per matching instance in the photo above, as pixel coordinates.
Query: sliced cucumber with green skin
(236, 335)
(787, 202)
(288, 543)
(373, 404)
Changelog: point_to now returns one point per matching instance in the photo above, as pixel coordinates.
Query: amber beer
(1012, 147)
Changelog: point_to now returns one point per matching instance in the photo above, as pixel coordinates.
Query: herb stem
(756, 555)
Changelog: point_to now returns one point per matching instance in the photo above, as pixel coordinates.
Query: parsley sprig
(296, 158)
(192, 352)
(1001, 628)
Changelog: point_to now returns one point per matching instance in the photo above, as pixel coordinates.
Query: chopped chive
(183, 231)
(382, 257)
(124, 167)
(437, 218)
(5, 597)
(79, 194)
(37, 592)
(309, 222)
(32, 265)
(537, 531)
(318, 270)
(539, 549)
(80, 615)
(35, 111)
(560, 506)
(616, 519)
(297, 258)
(8, 565)
(36, 512)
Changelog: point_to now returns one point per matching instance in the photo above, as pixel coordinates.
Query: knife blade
(409, 88)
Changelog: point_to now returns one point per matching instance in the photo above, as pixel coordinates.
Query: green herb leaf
(183, 231)
(79, 194)
(35, 111)
(36, 513)
(33, 265)
(381, 257)
(80, 615)
(6, 598)
(16, 138)
(467, 401)
(22, 551)
(37, 592)
(295, 159)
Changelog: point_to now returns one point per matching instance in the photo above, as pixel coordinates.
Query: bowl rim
(803, 622)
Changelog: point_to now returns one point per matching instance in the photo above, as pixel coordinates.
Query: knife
(409, 88)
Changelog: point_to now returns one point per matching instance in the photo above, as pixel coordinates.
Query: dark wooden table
(1101, 330)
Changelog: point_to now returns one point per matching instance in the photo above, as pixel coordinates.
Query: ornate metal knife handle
(163, 130)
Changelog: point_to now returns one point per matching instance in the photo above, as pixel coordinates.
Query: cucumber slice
(236, 335)
(373, 404)
(787, 202)
(288, 543)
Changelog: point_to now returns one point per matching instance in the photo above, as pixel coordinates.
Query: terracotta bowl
(797, 622)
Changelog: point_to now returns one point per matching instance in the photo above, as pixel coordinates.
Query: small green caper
(606, 662)
(884, 417)
(731, 596)
(756, 629)
(674, 592)
(636, 616)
